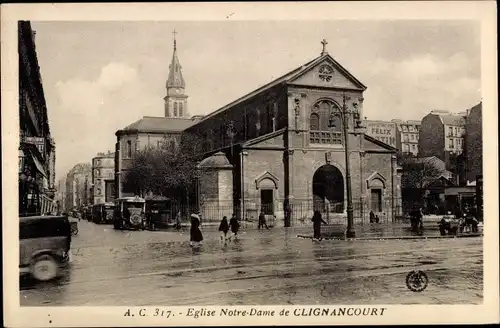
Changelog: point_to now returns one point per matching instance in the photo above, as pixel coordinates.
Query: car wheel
(44, 268)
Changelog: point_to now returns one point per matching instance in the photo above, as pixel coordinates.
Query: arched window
(175, 109)
(181, 109)
(129, 148)
(325, 128)
(314, 123)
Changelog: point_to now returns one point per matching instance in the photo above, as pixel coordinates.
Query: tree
(419, 174)
(169, 170)
(416, 177)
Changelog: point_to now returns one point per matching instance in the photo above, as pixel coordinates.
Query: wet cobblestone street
(268, 267)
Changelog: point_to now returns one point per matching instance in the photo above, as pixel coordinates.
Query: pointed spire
(175, 78)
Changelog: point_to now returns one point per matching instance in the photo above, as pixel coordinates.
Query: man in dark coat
(262, 221)
(372, 216)
(234, 225)
(317, 220)
(223, 228)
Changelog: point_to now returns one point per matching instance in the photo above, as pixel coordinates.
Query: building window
(412, 137)
(181, 109)
(413, 147)
(175, 109)
(325, 73)
(314, 123)
(376, 200)
(322, 130)
(450, 131)
(129, 149)
(451, 143)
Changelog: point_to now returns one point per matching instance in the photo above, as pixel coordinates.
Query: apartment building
(407, 135)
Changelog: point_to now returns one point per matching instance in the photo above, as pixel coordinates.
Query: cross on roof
(175, 41)
(324, 43)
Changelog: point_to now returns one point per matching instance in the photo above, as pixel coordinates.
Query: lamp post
(344, 113)
(231, 134)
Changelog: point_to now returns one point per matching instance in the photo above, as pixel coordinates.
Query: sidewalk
(384, 232)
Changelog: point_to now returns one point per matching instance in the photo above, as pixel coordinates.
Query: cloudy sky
(101, 76)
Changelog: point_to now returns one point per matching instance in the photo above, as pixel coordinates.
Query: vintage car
(159, 212)
(45, 243)
(103, 213)
(129, 213)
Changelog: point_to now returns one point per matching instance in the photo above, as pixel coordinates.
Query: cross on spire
(324, 43)
(175, 41)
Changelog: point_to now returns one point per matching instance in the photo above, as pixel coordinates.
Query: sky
(99, 77)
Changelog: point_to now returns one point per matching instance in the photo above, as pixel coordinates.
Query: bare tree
(419, 174)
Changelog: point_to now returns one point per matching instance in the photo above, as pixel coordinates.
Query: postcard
(249, 163)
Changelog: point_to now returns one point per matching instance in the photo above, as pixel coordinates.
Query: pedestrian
(317, 220)
(420, 217)
(196, 237)
(234, 225)
(262, 221)
(178, 223)
(372, 216)
(223, 228)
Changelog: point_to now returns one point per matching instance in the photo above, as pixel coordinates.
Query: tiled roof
(158, 125)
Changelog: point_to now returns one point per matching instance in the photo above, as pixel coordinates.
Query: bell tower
(176, 98)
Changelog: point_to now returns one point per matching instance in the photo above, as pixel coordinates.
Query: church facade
(285, 146)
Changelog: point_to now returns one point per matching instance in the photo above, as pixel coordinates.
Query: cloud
(87, 113)
(410, 88)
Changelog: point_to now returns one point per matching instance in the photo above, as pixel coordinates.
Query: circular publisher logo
(417, 281)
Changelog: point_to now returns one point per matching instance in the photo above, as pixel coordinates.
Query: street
(125, 268)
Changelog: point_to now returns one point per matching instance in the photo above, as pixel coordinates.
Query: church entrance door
(328, 189)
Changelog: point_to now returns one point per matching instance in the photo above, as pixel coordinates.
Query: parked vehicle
(74, 228)
(45, 243)
(103, 213)
(130, 213)
(159, 212)
(87, 213)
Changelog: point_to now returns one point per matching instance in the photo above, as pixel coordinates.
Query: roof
(379, 143)
(478, 107)
(286, 78)
(452, 119)
(218, 160)
(150, 124)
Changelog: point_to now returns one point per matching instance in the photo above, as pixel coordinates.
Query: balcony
(325, 138)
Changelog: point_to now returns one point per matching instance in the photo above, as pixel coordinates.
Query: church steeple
(176, 99)
(175, 78)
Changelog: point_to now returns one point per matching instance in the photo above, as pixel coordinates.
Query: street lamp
(344, 113)
(231, 134)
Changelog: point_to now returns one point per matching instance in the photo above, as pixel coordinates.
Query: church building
(283, 144)
(152, 131)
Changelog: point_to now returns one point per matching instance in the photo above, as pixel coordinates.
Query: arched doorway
(328, 186)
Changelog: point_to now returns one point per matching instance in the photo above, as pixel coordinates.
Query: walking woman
(317, 220)
(234, 225)
(196, 237)
(223, 228)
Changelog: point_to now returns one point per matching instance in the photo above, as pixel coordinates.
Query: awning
(38, 165)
